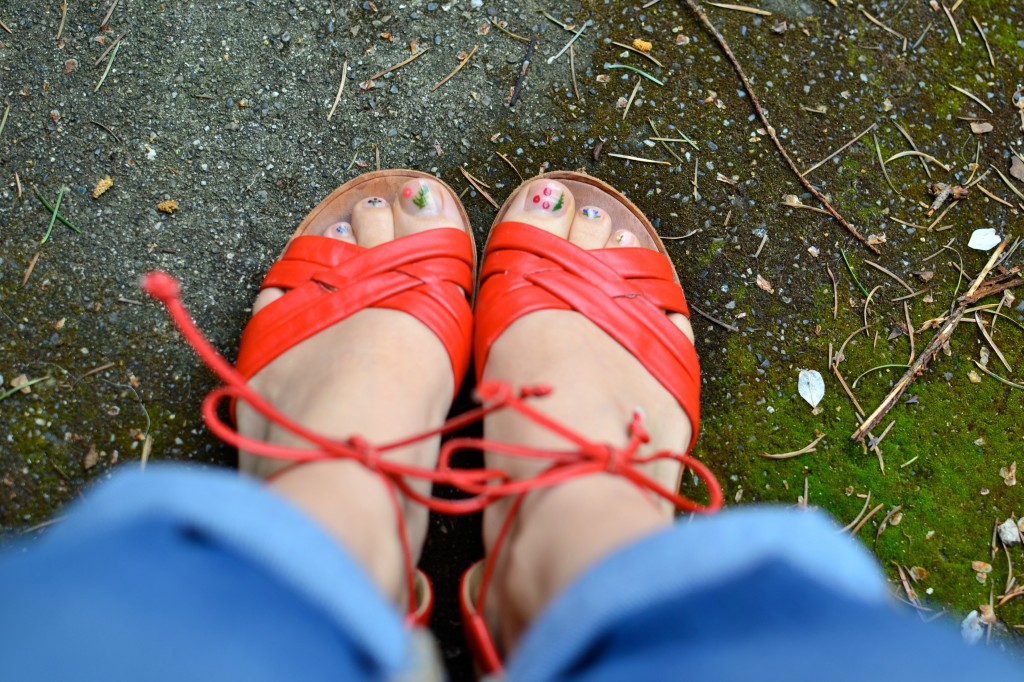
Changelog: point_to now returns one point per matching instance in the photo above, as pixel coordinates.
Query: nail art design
(421, 198)
(343, 229)
(591, 213)
(620, 237)
(545, 200)
(374, 202)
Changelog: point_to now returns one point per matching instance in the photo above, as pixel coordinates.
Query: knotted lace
(484, 485)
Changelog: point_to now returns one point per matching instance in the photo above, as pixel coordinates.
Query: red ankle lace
(484, 485)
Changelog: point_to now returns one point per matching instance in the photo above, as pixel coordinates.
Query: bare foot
(598, 385)
(380, 373)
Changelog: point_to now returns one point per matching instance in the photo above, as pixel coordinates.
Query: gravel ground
(223, 108)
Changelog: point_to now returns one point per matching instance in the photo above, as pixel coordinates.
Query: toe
(265, 298)
(341, 231)
(625, 239)
(372, 222)
(546, 204)
(424, 204)
(591, 228)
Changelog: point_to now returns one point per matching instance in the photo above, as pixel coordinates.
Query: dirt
(223, 108)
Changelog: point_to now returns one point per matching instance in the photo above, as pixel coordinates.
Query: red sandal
(627, 293)
(425, 275)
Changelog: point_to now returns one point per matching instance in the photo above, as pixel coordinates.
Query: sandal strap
(327, 280)
(624, 291)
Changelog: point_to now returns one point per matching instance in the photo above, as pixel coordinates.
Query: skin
(383, 375)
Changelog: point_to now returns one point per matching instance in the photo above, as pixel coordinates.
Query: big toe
(425, 204)
(545, 204)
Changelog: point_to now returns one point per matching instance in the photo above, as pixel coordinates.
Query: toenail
(625, 238)
(374, 202)
(343, 229)
(551, 199)
(420, 199)
(591, 213)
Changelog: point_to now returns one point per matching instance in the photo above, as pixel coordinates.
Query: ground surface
(223, 108)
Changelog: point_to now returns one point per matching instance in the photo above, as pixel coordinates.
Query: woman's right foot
(598, 384)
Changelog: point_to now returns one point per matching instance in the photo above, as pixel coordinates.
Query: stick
(713, 319)
(840, 150)
(523, 68)
(572, 71)
(771, 130)
(457, 68)
(796, 453)
(4, 27)
(978, 290)
(399, 65)
(63, 18)
(113, 6)
(344, 74)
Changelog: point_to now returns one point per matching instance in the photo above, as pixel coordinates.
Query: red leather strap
(425, 275)
(624, 291)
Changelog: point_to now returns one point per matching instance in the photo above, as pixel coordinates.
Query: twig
(639, 72)
(835, 293)
(399, 65)
(53, 218)
(979, 289)
(910, 332)
(840, 150)
(63, 18)
(572, 40)
(30, 268)
(662, 141)
(842, 382)
(796, 453)
(717, 321)
(632, 96)
(457, 68)
(755, 102)
(890, 273)
(109, 131)
(109, 64)
(882, 26)
(984, 39)
(637, 158)
(3, 121)
(972, 96)
(341, 88)
(507, 32)
(857, 518)
(924, 163)
(477, 185)
(523, 68)
(642, 54)
(110, 12)
(741, 8)
(572, 71)
(988, 337)
(949, 15)
(512, 166)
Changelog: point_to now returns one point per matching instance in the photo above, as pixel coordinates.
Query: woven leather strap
(425, 275)
(624, 291)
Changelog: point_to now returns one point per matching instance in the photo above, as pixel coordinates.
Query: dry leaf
(981, 567)
(981, 577)
(918, 573)
(925, 275)
(91, 458)
(169, 206)
(1009, 474)
(102, 186)
(981, 127)
(988, 614)
(765, 284)
(1017, 167)
(20, 381)
(1009, 533)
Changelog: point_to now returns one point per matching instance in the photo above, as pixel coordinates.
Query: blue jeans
(184, 575)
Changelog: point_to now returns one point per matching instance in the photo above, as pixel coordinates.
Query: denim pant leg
(183, 575)
(758, 593)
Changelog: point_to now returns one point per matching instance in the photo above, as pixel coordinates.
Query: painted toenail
(545, 201)
(374, 202)
(420, 199)
(343, 229)
(591, 213)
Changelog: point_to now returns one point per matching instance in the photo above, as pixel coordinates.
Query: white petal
(811, 386)
(984, 239)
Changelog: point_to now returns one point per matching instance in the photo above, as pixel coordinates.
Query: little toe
(546, 204)
(341, 231)
(591, 228)
(425, 204)
(626, 239)
(372, 222)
